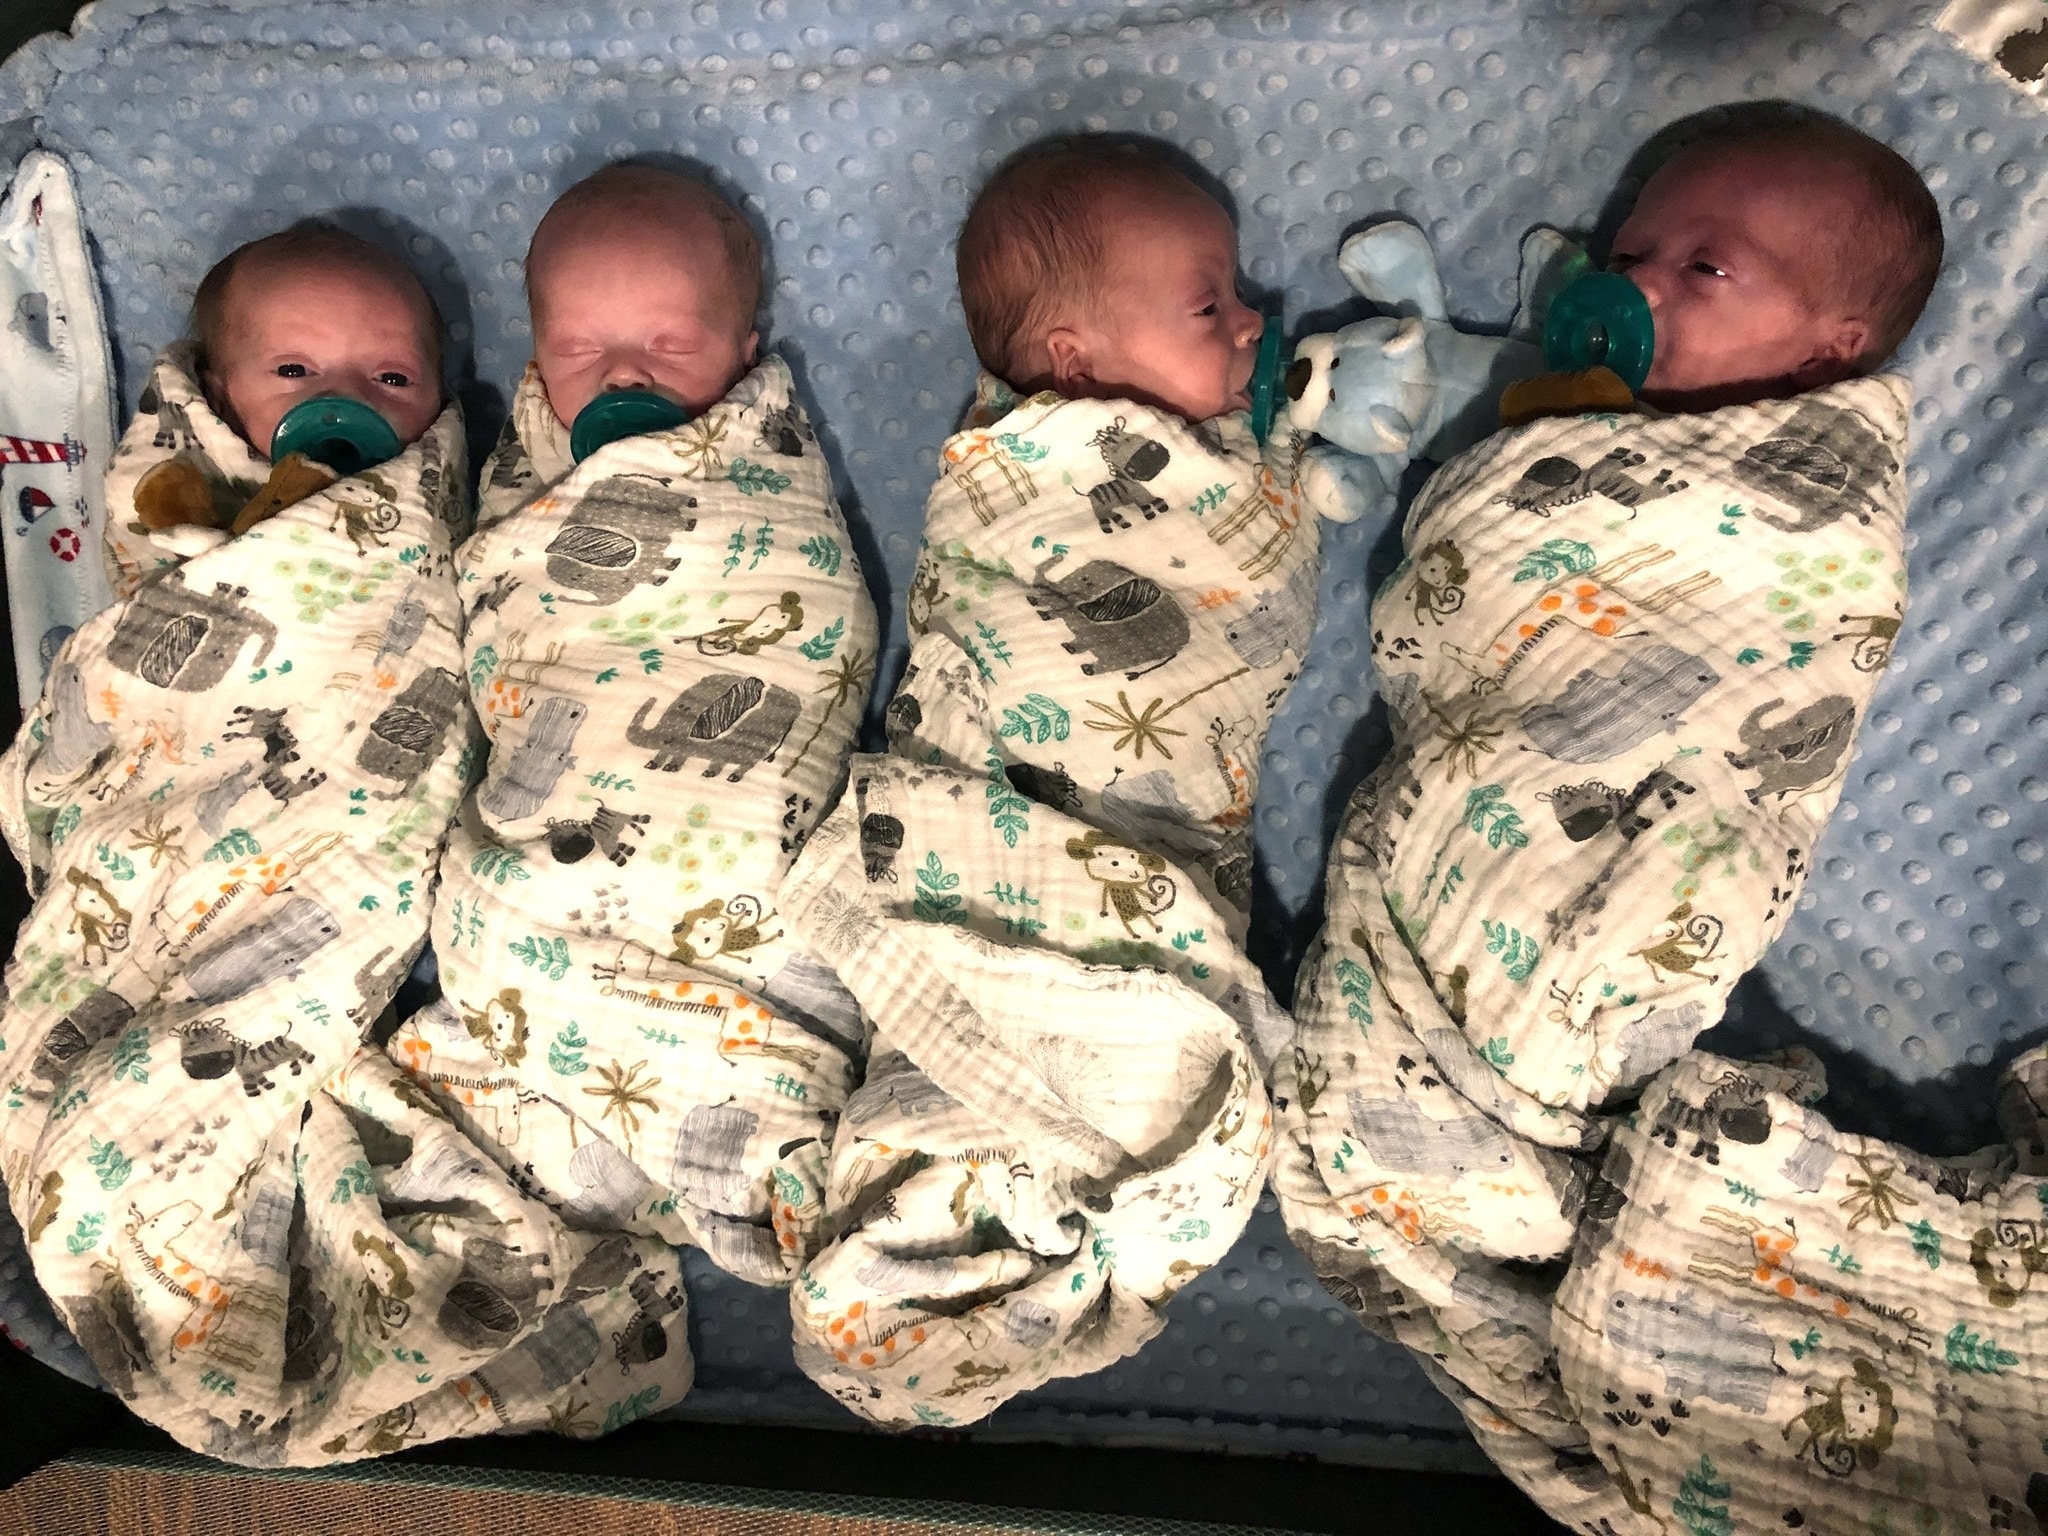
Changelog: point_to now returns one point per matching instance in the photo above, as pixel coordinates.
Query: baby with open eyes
(1777, 259)
(311, 312)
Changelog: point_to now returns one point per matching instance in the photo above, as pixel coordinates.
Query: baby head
(1098, 269)
(642, 278)
(1778, 258)
(312, 311)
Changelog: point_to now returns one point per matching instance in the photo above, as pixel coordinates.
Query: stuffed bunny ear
(1392, 265)
(1549, 261)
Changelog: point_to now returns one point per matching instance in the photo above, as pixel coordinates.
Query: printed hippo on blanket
(1705, 1352)
(1799, 752)
(711, 1153)
(1444, 1142)
(532, 769)
(277, 946)
(728, 720)
(173, 637)
(408, 734)
(1600, 715)
(1556, 481)
(1733, 1109)
(617, 537)
(1126, 622)
(1823, 464)
(1276, 622)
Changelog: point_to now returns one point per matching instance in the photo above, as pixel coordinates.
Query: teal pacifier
(1600, 320)
(344, 434)
(1266, 378)
(622, 413)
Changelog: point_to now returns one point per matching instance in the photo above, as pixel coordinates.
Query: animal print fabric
(1772, 1325)
(670, 646)
(1037, 897)
(232, 797)
(1625, 656)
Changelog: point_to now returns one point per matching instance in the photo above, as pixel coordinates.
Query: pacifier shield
(345, 435)
(622, 413)
(1600, 320)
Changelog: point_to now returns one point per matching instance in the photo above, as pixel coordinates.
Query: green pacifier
(622, 413)
(1266, 378)
(1600, 320)
(344, 434)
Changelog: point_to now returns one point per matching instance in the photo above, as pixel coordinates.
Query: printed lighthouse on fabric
(1626, 658)
(1038, 897)
(670, 645)
(232, 797)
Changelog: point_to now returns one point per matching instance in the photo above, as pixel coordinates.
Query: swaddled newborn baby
(311, 311)
(1039, 894)
(1626, 657)
(670, 643)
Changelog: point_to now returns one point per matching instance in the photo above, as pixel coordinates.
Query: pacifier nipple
(345, 435)
(1600, 320)
(622, 413)
(1266, 378)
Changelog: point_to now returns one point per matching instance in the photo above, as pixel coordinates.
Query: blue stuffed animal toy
(1405, 384)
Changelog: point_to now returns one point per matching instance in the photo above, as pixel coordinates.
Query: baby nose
(1648, 282)
(1250, 325)
(626, 373)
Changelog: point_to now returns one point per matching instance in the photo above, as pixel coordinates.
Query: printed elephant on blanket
(91, 1019)
(533, 767)
(1798, 753)
(617, 537)
(408, 734)
(555, 1354)
(1703, 1352)
(1126, 622)
(277, 946)
(1824, 464)
(173, 637)
(728, 720)
(72, 740)
(497, 1294)
(1601, 715)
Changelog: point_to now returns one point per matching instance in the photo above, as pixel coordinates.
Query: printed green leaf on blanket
(1972, 1355)
(1555, 558)
(109, 1164)
(821, 645)
(551, 955)
(1519, 954)
(1702, 1502)
(1009, 810)
(1037, 720)
(1488, 812)
(933, 904)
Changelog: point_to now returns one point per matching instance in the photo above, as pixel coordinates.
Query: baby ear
(1841, 354)
(752, 348)
(1067, 351)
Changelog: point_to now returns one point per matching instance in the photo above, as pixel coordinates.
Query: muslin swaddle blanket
(232, 798)
(1038, 897)
(1626, 657)
(670, 645)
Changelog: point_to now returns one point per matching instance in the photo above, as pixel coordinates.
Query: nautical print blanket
(670, 646)
(231, 799)
(1626, 657)
(1037, 897)
(1772, 1325)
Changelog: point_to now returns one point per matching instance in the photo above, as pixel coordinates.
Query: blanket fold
(1626, 657)
(1037, 897)
(669, 645)
(1793, 1327)
(231, 798)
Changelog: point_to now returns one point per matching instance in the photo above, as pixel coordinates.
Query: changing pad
(1916, 961)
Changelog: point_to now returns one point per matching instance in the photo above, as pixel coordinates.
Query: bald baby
(642, 278)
